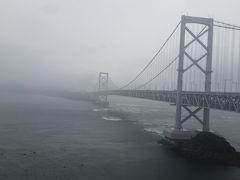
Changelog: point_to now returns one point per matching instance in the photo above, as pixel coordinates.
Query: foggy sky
(65, 43)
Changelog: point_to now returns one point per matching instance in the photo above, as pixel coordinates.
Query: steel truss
(212, 100)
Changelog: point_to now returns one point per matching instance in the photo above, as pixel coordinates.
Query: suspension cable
(114, 85)
(158, 73)
(227, 24)
(166, 66)
(227, 27)
(139, 74)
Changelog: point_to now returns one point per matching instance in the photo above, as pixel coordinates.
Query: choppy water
(51, 138)
(156, 116)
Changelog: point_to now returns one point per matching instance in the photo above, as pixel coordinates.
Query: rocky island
(205, 147)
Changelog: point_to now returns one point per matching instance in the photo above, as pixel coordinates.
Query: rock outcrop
(205, 146)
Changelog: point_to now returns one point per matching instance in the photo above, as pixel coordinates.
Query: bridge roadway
(214, 100)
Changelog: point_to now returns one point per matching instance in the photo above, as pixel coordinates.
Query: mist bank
(85, 95)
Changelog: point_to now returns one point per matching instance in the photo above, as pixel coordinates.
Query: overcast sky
(65, 43)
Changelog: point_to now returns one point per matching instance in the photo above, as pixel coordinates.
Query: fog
(63, 44)
(57, 122)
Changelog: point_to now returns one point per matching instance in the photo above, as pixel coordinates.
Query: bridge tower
(103, 86)
(183, 54)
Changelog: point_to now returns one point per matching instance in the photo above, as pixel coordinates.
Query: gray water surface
(48, 138)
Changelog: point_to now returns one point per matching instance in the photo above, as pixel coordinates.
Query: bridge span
(197, 68)
(213, 100)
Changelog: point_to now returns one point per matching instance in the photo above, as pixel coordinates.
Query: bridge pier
(206, 118)
(103, 86)
(208, 29)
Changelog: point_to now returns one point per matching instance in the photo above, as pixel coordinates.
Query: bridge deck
(213, 100)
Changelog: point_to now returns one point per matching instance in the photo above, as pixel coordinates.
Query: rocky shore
(205, 147)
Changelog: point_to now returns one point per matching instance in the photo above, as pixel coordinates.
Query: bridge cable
(227, 27)
(227, 24)
(112, 83)
(176, 58)
(238, 65)
(232, 61)
(153, 58)
(159, 72)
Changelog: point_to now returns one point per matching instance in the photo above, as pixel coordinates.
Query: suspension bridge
(197, 69)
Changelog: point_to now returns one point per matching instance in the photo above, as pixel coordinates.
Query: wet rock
(209, 142)
(207, 147)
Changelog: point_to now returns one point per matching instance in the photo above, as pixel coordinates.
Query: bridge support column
(208, 76)
(183, 54)
(103, 86)
(178, 124)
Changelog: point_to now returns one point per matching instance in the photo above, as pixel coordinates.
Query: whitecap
(111, 119)
(135, 105)
(102, 109)
(154, 130)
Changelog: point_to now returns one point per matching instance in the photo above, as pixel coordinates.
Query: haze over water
(54, 49)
